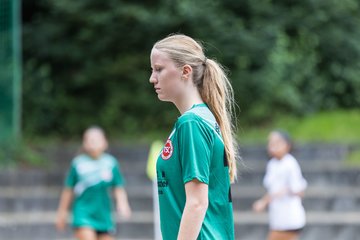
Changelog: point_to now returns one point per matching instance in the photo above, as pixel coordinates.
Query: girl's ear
(186, 71)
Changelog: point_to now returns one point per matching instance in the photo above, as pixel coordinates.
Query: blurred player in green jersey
(89, 179)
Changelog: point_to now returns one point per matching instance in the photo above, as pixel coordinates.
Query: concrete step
(306, 166)
(46, 199)
(339, 177)
(61, 154)
(47, 231)
(303, 152)
(320, 175)
(139, 165)
(46, 178)
(244, 232)
(321, 225)
(145, 217)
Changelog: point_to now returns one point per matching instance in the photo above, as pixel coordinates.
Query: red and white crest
(167, 150)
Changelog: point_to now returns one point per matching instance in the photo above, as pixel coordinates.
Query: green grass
(20, 154)
(330, 127)
(353, 159)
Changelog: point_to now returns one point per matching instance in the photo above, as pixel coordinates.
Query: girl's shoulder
(187, 116)
(111, 161)
(290, 160)
(79, 158)
(197, 114)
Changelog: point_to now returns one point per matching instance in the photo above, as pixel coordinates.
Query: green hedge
(87, 61)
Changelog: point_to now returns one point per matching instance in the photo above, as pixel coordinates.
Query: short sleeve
(71, 177)
(194, 151)
(118, 179)
(297, 181)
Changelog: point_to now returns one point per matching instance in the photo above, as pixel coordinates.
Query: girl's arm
(194, 211)
(122, 203)
(63, 210)
(260, 204)
(300, 194)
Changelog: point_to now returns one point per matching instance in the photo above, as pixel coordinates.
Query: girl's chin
(163, 99)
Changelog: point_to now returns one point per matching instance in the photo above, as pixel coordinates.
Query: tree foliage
(87, 62)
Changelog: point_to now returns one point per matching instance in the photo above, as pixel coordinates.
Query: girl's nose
(152, 79)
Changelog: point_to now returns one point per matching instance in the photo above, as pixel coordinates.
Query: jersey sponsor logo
(167, 150)
(162, 182)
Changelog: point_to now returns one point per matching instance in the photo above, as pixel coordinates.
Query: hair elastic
(204, 63)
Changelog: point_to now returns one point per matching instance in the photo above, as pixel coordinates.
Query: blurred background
(66, 65)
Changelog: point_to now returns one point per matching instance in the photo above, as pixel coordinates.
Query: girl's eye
(155, 69)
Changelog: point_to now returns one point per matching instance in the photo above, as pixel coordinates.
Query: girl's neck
(95, 156)
(188, 100)
(280, 157)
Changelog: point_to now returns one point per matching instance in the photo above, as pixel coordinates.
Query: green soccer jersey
(91, 181)
(195, 150)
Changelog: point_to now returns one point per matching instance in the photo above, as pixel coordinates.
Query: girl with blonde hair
(198, 161)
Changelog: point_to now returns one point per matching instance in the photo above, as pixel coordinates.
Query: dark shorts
(298, 230)
(100, 232)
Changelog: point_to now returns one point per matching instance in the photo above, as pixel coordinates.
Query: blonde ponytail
(218, 93)
(213, 85)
